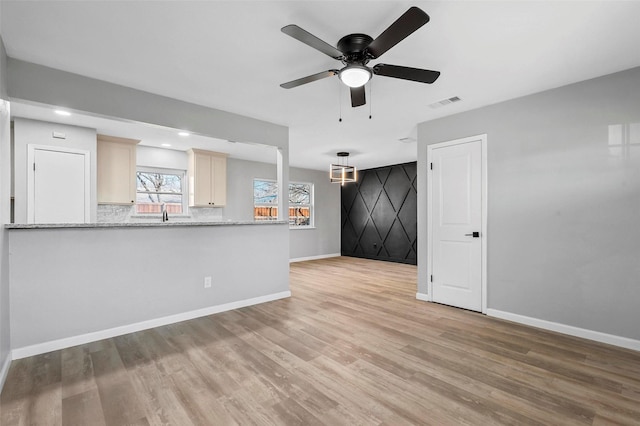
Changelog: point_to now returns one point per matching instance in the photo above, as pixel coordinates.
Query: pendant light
(342, 172)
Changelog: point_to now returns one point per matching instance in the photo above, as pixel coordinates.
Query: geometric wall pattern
(379, 214)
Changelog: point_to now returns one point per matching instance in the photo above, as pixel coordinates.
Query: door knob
(473, 234)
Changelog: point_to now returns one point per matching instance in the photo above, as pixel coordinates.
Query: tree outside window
(265, 197)
(155, 187)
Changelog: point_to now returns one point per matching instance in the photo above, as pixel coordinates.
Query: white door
(457, 231)
(59, 190)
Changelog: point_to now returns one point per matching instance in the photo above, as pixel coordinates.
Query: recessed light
(61, 112)
(183, 134)
(166, 144)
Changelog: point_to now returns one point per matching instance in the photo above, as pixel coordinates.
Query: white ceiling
(232, 56)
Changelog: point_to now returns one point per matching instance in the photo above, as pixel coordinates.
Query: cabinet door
(202, 180)
(219, 181)
(116, 173)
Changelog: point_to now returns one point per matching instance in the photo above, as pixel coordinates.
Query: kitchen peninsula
(98, 280)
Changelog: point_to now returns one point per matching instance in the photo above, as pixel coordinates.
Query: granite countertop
(139, 224)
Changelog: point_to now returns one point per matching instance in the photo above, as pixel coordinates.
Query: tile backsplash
(110, 213)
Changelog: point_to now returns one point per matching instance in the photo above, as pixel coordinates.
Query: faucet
(165, 215)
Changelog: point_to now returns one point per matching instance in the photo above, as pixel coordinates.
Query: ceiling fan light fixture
(355, 75)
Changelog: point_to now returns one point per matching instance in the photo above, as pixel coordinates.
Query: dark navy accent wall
(379, 214)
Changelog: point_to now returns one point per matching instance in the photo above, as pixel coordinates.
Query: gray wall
(5, 194)
(240, 175)
(73, 281)
(27, 132)
(563, 202)
(323, 239)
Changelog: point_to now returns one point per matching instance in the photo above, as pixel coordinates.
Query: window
(157, 186)
(265, 202)
(300, 204)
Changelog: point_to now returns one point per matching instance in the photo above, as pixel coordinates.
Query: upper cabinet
(116, 170)
(207, 178)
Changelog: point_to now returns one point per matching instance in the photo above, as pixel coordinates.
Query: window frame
(311, 204)
(166, 171)
(253, 189)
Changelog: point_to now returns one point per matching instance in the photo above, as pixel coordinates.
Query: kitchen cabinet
(207, 172)
(116, 160)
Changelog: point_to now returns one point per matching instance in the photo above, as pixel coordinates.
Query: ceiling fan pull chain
(370, 97)
(340, 102)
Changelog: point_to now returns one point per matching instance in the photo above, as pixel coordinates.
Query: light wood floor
(352, 346)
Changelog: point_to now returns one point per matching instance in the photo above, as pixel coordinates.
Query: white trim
(598, 336)
(485, 215)
(31, 148)
(67, 342)
(429, 256)
(5, 370)
(484, 207)
(311, 205)
(423, 296)
(320, 256)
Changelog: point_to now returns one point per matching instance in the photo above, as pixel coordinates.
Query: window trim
(167, 171)
(311, 205)
(253, 196)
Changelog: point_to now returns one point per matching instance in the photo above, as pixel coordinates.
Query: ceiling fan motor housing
(353, 48)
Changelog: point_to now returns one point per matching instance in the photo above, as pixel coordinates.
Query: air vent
(445, 102)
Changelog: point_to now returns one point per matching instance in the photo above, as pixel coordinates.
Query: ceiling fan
(356, 50)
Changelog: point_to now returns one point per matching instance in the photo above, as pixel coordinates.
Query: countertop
(139, 224)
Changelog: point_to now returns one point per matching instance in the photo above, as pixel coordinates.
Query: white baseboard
(5, 370)
(423, 296)
(320, 256)
(598, 336)
(68, 342)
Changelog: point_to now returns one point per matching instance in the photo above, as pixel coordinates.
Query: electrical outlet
(207, 282)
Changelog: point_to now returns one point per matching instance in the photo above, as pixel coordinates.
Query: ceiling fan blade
(357, 96)
(308, 79)
(311, 40)
(406, 73)
(404, 26)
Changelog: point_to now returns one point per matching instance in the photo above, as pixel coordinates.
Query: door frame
(484, 194)
(31, 149)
